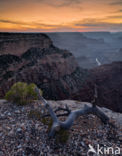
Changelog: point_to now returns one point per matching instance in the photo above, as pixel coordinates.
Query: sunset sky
(60, 15)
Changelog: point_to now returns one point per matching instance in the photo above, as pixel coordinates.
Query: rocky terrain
(54, 70)
(57, 73)
(22, 134)
(18, 43)
(36, 60)
(108, 79)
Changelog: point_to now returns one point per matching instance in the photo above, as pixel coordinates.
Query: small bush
(21, 93)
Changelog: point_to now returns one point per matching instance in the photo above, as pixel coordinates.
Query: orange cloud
(61, 15)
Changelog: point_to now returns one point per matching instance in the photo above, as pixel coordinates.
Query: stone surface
(22, 135)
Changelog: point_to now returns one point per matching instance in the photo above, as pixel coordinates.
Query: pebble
(22, 136)
(19, 129)
(9, 114)
(17, 111)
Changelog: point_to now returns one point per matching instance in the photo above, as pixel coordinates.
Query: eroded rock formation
(57, 73)
(18, 43)
(108, 79)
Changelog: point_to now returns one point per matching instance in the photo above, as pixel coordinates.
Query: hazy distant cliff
(18, 43)
(86, 47)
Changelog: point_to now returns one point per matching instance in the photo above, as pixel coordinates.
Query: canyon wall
(18, 43)
(57, 73)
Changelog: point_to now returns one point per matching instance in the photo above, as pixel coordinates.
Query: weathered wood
(72, 115)
(47, 106)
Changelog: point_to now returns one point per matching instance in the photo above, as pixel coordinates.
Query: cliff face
(89, 46)
(57, 73)
(108, 79)
(54, 70)
(18, 43)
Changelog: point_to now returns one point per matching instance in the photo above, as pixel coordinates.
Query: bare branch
(72, 115)
(47, 106)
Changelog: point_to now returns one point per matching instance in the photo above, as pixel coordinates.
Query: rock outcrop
(18, 43)
(57, 73)
(108, 79)
(54, 70)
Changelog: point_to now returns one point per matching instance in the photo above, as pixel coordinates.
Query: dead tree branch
(72, 115)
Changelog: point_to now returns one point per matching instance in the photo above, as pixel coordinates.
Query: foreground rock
(22, 135)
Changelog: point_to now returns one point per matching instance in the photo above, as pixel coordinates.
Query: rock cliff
(108, 79)
(18, 43)
(54, 70)
(57, 73)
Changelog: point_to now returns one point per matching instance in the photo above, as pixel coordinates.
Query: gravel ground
(22, 135)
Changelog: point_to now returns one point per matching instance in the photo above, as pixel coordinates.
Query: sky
(60, 15)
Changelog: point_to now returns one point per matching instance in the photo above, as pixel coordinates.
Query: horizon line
(60, 31)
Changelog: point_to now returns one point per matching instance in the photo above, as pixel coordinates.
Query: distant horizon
(61, 32)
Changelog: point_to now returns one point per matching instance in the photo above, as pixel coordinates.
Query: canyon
(87, 47)
(57, 72)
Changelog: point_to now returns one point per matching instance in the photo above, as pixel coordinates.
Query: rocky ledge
(22, 135)
(18, 43)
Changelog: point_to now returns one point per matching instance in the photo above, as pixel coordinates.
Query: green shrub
(21, 93)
